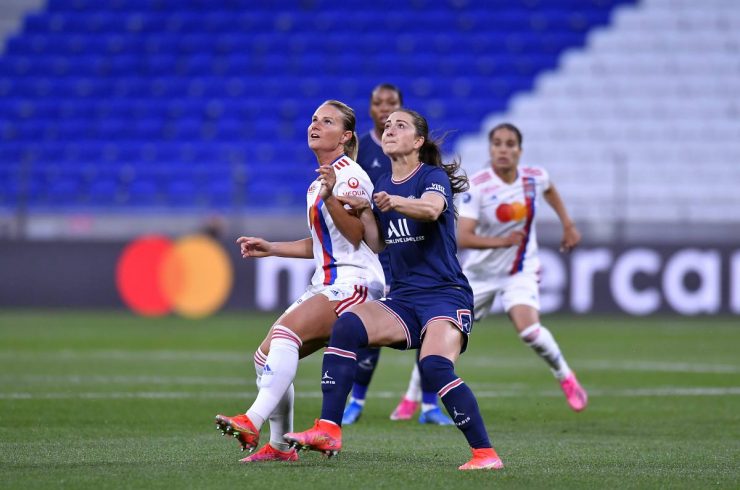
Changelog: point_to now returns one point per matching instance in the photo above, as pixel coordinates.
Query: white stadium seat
(644, 122)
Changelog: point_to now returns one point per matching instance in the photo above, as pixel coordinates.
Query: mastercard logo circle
(515, 211)
(191, 276)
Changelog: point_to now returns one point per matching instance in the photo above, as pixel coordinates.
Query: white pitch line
(245, 358)
(75, 379)
(657, 366)
(131, 356)
(668, 391)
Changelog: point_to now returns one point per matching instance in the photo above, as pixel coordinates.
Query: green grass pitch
(109, 400)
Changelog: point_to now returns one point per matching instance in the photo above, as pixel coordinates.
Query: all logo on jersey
(353, 183)
(400, 229)
(399, 232)
(327, 380)
(375, 164)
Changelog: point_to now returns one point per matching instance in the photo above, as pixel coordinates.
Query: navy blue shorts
(415, 310)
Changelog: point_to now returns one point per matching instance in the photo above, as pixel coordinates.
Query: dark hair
(508, 126)
(391, 87)
(431, 154)
(352, 146)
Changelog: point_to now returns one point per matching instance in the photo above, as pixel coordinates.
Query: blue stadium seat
(103, 192)
(142, 103)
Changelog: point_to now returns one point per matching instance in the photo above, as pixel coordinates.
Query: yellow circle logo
(191, 276)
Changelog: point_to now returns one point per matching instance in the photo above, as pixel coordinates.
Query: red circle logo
(504, 213)
(191, 276)
(353, 183)
(514, 211)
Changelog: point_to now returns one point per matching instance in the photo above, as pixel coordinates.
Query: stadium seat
(138, 98)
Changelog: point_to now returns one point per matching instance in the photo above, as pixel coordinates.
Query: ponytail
(352, 146)
(430, 154)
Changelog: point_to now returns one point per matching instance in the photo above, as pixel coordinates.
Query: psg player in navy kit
(385, 99)
(430, 301)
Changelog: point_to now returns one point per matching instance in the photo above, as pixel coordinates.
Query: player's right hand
(571, 238)
(254, 247)
(328, 179)
(515, 238)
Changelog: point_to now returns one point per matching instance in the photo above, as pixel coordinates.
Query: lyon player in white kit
(496, 225)
(347, 273)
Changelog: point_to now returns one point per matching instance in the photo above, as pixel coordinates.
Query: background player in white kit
(496, 225)
(347, 273)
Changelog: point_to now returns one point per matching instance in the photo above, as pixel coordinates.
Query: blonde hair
(352, 146)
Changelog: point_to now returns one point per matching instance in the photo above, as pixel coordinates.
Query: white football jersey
(500, 208)
(337, 260)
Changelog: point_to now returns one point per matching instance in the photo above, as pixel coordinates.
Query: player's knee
(436, 371)
(348, 332)
(531, 333)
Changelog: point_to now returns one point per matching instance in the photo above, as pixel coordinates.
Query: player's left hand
(571, 238)
(328, 179)
(354, 205)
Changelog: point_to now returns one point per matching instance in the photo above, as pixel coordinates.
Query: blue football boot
(352, 413)
(435, 416)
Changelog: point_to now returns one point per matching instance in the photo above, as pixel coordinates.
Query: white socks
(259, 364)
(543, 343)
(413, 392)
(281, 420)
(276, 393)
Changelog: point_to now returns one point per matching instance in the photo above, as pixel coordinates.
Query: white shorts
(345, 295)
(519, 289)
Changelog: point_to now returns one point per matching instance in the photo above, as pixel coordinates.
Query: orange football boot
(269, 453)
(241, 428)
(483, 459)
(324, 436)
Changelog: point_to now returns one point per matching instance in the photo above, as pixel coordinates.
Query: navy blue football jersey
(376, 163)
(422, 254)
(371, 157)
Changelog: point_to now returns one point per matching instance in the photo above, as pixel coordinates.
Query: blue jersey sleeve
(438, 182)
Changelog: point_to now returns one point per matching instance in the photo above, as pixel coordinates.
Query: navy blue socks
(339, 364)
(439, 372)
(367, 361)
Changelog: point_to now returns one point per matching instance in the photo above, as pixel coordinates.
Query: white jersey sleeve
(337, 260)
(353, 181)
(540, 175)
